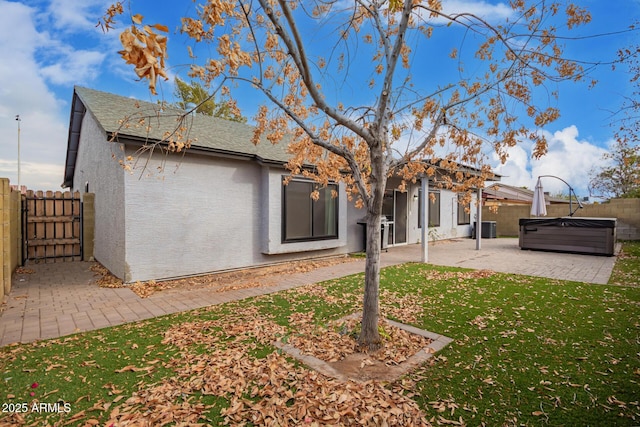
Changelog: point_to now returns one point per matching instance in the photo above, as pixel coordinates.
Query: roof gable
(207, 131)
(144, 122)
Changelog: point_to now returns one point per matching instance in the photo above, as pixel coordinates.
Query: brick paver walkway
(63, 298)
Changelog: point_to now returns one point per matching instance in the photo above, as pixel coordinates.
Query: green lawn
(527, 351)
(627, 268)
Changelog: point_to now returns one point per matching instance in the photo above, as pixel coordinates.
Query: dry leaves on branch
(146, 50)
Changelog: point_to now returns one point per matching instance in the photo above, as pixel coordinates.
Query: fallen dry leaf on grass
(270, 391)
(460, 275)
(131, 368)
(407, 308)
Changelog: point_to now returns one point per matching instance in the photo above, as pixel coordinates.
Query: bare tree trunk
(369, 339)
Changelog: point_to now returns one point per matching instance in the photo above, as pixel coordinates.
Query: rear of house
(221, 204)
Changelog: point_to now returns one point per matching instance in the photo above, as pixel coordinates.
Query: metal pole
(479, 220)
(425, 217)
(571, 212)
(18, 120)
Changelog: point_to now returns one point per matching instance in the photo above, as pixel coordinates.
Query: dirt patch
(333, 350)
(360, 367)
(222, 282)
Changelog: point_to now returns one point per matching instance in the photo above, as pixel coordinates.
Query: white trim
(272, 219)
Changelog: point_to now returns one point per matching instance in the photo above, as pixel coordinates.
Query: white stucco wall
(448, 228)
(212, 214)
(96, 166)
(203, 216)
(449, 207)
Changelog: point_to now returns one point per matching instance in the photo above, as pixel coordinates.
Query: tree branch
(298, 54)
(316, 140)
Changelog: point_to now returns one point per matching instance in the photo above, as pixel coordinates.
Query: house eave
(138, 142)
(78, 111)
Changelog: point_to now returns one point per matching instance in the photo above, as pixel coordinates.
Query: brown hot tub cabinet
(594, 236)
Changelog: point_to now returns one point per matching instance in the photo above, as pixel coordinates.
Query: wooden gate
(52, 226)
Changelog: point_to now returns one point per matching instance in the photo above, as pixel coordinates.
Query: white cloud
(483, 9)
(74, 15)
(568, 158)
(29, 58)
(34, 175)
(75, 67)
(22, 90)
(516, 170)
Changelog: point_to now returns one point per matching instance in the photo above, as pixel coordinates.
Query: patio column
(479, 220)
(424, 183)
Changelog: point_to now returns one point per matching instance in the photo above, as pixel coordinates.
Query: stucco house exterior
(221, 204)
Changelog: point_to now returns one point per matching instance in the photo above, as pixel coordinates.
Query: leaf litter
(337, 340)
(221, 282)
(235, 338)
(271, 391)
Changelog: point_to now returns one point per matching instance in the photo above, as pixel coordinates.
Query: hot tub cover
(569, 222)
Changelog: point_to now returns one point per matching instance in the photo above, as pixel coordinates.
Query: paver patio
(63, 298)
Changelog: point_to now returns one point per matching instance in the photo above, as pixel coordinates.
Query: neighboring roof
(515, 194)
(462, 168)
(211, 134)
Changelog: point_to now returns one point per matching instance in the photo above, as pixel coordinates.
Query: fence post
(5, 244)
(16, 229)
(88, 225)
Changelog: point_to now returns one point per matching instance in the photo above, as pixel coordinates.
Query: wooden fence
(43, 227)
(52, 226)
(10, 235)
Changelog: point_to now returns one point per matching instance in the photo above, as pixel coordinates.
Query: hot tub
(594, 236)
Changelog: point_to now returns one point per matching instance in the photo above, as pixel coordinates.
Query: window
(433, 209)
(305, 219)
(464, 212)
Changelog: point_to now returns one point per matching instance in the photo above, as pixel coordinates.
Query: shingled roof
(210, 135)
(516, 195)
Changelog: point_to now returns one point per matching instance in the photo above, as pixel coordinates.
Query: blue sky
(48, 46)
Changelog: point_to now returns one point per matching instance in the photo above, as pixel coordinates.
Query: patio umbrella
(538, 206)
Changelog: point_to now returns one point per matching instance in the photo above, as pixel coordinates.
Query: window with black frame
(305, 219)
